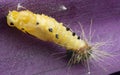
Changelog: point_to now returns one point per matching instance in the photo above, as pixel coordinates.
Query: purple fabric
(21, 54)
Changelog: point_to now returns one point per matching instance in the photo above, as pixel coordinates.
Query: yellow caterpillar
(47, 29)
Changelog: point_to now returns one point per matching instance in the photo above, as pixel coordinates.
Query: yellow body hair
(45, 28)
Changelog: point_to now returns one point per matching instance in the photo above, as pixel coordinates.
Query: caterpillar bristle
(92, 53)
(19, 7)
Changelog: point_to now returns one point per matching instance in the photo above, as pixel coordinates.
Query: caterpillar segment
(48, 29)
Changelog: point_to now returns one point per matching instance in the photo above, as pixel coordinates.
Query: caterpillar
(48, 29)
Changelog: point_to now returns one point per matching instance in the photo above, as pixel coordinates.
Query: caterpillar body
(47, 29)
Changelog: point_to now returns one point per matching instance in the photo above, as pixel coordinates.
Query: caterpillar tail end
(80, 55)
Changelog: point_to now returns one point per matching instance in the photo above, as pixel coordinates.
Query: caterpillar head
(11, 18)
(22, 20)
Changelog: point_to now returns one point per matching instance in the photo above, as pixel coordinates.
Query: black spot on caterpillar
(73, 33)
(50, 30)
(78, 37)
(67, 28)
(37, 23)
(57, 36)
(11, 23)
